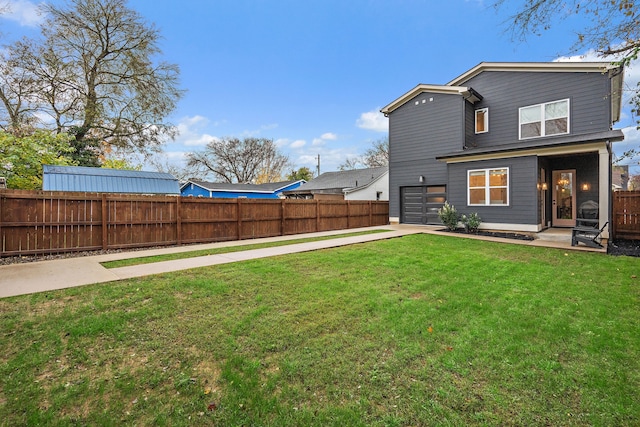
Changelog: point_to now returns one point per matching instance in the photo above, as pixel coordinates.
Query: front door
(564, 198)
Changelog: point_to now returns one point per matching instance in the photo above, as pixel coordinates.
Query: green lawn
(418, 330)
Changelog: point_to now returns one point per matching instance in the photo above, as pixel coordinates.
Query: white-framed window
(488, 187)
(550, 118)
(482, 120)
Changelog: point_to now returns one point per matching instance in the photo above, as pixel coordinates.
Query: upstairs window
(551, 118)
(487, 187)
(482, 120)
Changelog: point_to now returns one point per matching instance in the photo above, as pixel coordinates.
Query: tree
(22, 157)
(240, 161)
(350, 163)
(302, 173)
(96, 77)
(376, 156)
(614, 28)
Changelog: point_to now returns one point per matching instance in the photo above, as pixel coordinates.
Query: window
(547, 119)
(482, 120)
(488, 187)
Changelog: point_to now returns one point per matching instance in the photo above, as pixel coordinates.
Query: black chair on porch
(586, 229)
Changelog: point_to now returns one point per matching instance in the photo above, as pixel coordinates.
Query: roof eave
(532, 66)
(464, 91)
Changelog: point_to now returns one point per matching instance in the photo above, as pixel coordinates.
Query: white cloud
(191, 132)
(256, 132)
(373, 120)
(281, 142)
(299, 143)
(24, 12)
(328, 136)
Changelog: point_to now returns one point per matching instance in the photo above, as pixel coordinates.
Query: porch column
(604, 189)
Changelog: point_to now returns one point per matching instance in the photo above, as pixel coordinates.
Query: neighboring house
(521, 144)
(101, 180)
(357, 184)
(270, 190)
(620, 178)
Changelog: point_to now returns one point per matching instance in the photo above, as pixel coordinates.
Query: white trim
(604, 193)
(550, 67)
(466, 92)
(487, 187)
(540, 152)
(486, 120)
(543, 119)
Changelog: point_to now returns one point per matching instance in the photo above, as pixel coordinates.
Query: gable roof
(343, 181)
(538, 67)
(269, 187)
(457, 85)
(102, 180)
(466, 92)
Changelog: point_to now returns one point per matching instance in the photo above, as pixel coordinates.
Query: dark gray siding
(470, 125)
(522, 209)
(419, 133)
(505, 92)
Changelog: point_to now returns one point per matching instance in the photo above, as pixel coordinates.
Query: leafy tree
(122, 164)
(240, 161)
(22, 157)
(96, 75)
(302, 173)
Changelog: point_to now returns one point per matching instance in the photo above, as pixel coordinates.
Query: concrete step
(555, 235)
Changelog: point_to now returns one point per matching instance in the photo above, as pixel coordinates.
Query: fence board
(38, 222)
(626, 215)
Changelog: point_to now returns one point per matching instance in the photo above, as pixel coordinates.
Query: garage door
(420, 204)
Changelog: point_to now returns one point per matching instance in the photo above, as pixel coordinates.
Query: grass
(418, 330)
(225, 250)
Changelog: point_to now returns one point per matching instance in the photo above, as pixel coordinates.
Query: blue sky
(313, 74)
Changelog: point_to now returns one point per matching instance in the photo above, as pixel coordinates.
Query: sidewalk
(27, 278)
(40, 276)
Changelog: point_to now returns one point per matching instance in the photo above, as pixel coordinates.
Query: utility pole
(318, 168)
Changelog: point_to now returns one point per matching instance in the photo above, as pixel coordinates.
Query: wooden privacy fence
(626, 215)
(37, 222)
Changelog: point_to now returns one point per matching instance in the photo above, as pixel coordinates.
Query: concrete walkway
(40, 276)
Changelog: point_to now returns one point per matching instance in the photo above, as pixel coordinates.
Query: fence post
(282, 212)
(348, 213)
(317, 215)
(178, 221)
(239, 218)
(370, 213)
(105, 234)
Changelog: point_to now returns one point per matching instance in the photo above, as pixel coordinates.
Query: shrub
(449, 216)
(471, 222)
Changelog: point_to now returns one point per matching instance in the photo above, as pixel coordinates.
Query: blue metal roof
(100, 180)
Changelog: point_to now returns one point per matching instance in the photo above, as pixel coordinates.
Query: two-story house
(522, 144)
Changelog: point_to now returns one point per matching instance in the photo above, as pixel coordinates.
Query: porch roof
(529, 144)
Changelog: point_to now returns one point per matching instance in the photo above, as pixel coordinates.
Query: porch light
(585, 186)
(544, 186)
(421, 179)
